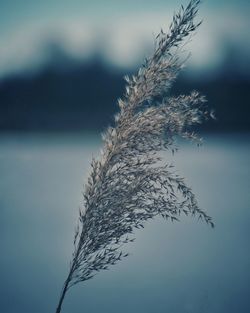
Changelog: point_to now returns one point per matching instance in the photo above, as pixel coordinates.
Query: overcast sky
(121, 30)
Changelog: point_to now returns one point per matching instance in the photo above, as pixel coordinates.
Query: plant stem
(67, 281)
(64, 290)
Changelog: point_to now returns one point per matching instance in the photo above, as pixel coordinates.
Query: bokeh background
(61, 71)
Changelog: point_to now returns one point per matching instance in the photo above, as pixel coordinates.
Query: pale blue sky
(121, 29)
(14, 12)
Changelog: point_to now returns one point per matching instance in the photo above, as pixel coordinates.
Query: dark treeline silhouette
(83, 96)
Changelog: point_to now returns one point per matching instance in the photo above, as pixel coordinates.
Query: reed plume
(129, 184)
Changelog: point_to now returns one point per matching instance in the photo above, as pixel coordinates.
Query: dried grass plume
(128, 184)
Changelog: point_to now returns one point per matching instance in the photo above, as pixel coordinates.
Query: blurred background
(62, 65)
